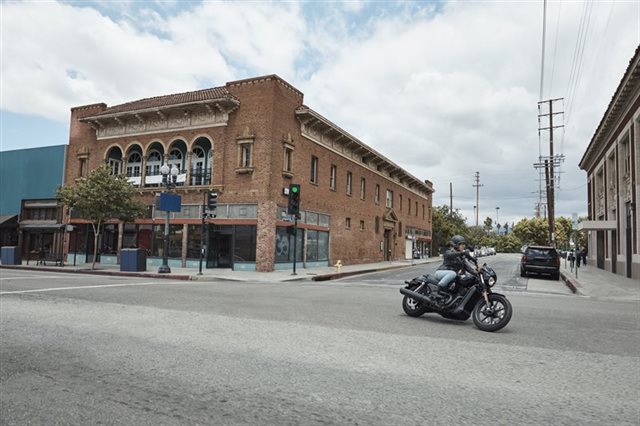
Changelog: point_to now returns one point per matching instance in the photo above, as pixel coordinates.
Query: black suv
(540, 260)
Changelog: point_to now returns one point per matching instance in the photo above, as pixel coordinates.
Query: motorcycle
(470, 296)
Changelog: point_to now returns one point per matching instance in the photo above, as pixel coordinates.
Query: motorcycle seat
(430, 278)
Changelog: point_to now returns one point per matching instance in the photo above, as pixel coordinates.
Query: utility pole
(549, 163)
(477, 187)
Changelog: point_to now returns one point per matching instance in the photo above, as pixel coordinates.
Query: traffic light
(212, 200)
(294, 200)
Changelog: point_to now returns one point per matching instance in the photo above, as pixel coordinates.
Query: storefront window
(109, 239)
(129, 236)
(317, 246)
(193, 243)
(145, 237)
(245, 243)
(175, 240)
(284, 245)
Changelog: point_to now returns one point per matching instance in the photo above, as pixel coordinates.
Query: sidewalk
(316, 274)
(594, 282)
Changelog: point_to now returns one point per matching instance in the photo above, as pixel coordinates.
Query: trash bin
(11, 256)
(133, 260)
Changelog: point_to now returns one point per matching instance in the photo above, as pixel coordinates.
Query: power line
(544, 32)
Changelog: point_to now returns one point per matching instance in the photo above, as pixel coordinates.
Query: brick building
(248, 140)
(613, 176)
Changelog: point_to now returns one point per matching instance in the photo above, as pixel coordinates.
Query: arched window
(198, 163)
(154, 161)
(175, 158)
(134, 164)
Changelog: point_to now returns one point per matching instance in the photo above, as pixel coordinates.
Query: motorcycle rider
(453, 263)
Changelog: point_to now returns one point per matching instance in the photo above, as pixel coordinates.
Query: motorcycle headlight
(491, 281)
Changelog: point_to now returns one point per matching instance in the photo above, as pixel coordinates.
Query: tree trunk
(96, 234)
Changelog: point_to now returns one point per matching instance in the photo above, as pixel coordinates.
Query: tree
(100, 197)
(532, 231)
(564, 231)
(488, 224)
(508, 243)
(446, 224)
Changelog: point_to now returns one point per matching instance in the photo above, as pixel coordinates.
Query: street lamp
(169, 184)
(497, 217)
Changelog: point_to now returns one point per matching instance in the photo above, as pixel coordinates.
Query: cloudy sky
(444, 89)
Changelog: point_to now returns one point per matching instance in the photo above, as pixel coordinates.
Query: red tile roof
(214, 93)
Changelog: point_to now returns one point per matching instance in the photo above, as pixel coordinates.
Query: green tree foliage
(488, 224)
(508, 243)
(100, 197)
(446, 224)
(564, 231)
(532, 231)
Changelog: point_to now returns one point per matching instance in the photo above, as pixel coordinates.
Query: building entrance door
(220, 247)
(387, 244)
(629, 242)
(614, 251)
(600, 249)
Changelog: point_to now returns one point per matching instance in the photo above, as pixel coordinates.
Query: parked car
(540, 260)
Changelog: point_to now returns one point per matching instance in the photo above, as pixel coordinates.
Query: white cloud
(443, 92)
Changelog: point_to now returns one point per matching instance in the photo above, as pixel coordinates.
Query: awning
(8, 218)
(597, 225)
(42, 227)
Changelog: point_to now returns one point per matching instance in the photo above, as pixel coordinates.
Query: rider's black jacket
(454, 260)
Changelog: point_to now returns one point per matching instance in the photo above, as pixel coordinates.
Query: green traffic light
(294, 189)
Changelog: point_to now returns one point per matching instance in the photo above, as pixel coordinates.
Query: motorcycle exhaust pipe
(415, 296)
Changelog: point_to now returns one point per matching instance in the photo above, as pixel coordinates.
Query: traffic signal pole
(203, 214)
(295, 244)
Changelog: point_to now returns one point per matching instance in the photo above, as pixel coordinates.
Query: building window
(376, 224)
(154, 161)
(332, 177)
(347, 223)
(409, 205)
(114, 166)
(349, 177)
(83, 167)
(245, 155)
(377, 196)
(314, 170)
(288, 159)
(400, 229)
(416, 209)
(400, 201)
(362, 225)
(363, 188)
(423, 212)
(389, 198)
(134, 164)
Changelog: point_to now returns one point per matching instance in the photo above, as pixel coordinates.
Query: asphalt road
(111, 350)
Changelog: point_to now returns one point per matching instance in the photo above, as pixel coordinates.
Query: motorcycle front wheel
(494, 316)
(413, 308)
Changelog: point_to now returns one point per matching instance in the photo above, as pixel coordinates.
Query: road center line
(34, 277)
(41, 290)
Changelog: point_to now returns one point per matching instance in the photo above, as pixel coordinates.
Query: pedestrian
(584, 256)
(578, 258)
(572, 258)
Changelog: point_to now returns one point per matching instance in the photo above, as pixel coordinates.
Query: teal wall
(29, 173)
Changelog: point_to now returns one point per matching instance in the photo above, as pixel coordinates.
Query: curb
(98, 272)
(339, 275)
(571, 283)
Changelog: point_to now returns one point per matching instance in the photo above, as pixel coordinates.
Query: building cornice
(320, 130)
(625, 96)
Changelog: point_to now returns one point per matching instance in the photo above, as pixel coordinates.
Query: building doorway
(220, 247)
(614, 251)
(387, 244)
(629, 241)
(600, 249)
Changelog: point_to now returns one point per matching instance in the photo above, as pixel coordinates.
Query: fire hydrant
(338, 265)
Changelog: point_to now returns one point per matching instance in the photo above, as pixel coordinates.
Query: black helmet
(456, 240)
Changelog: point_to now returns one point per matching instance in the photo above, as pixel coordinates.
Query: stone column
(120, 232)
(185, 238)
(266, 236)
(188, 167)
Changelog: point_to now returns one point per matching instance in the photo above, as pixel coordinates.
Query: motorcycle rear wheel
(413, 308)
(493, 317)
